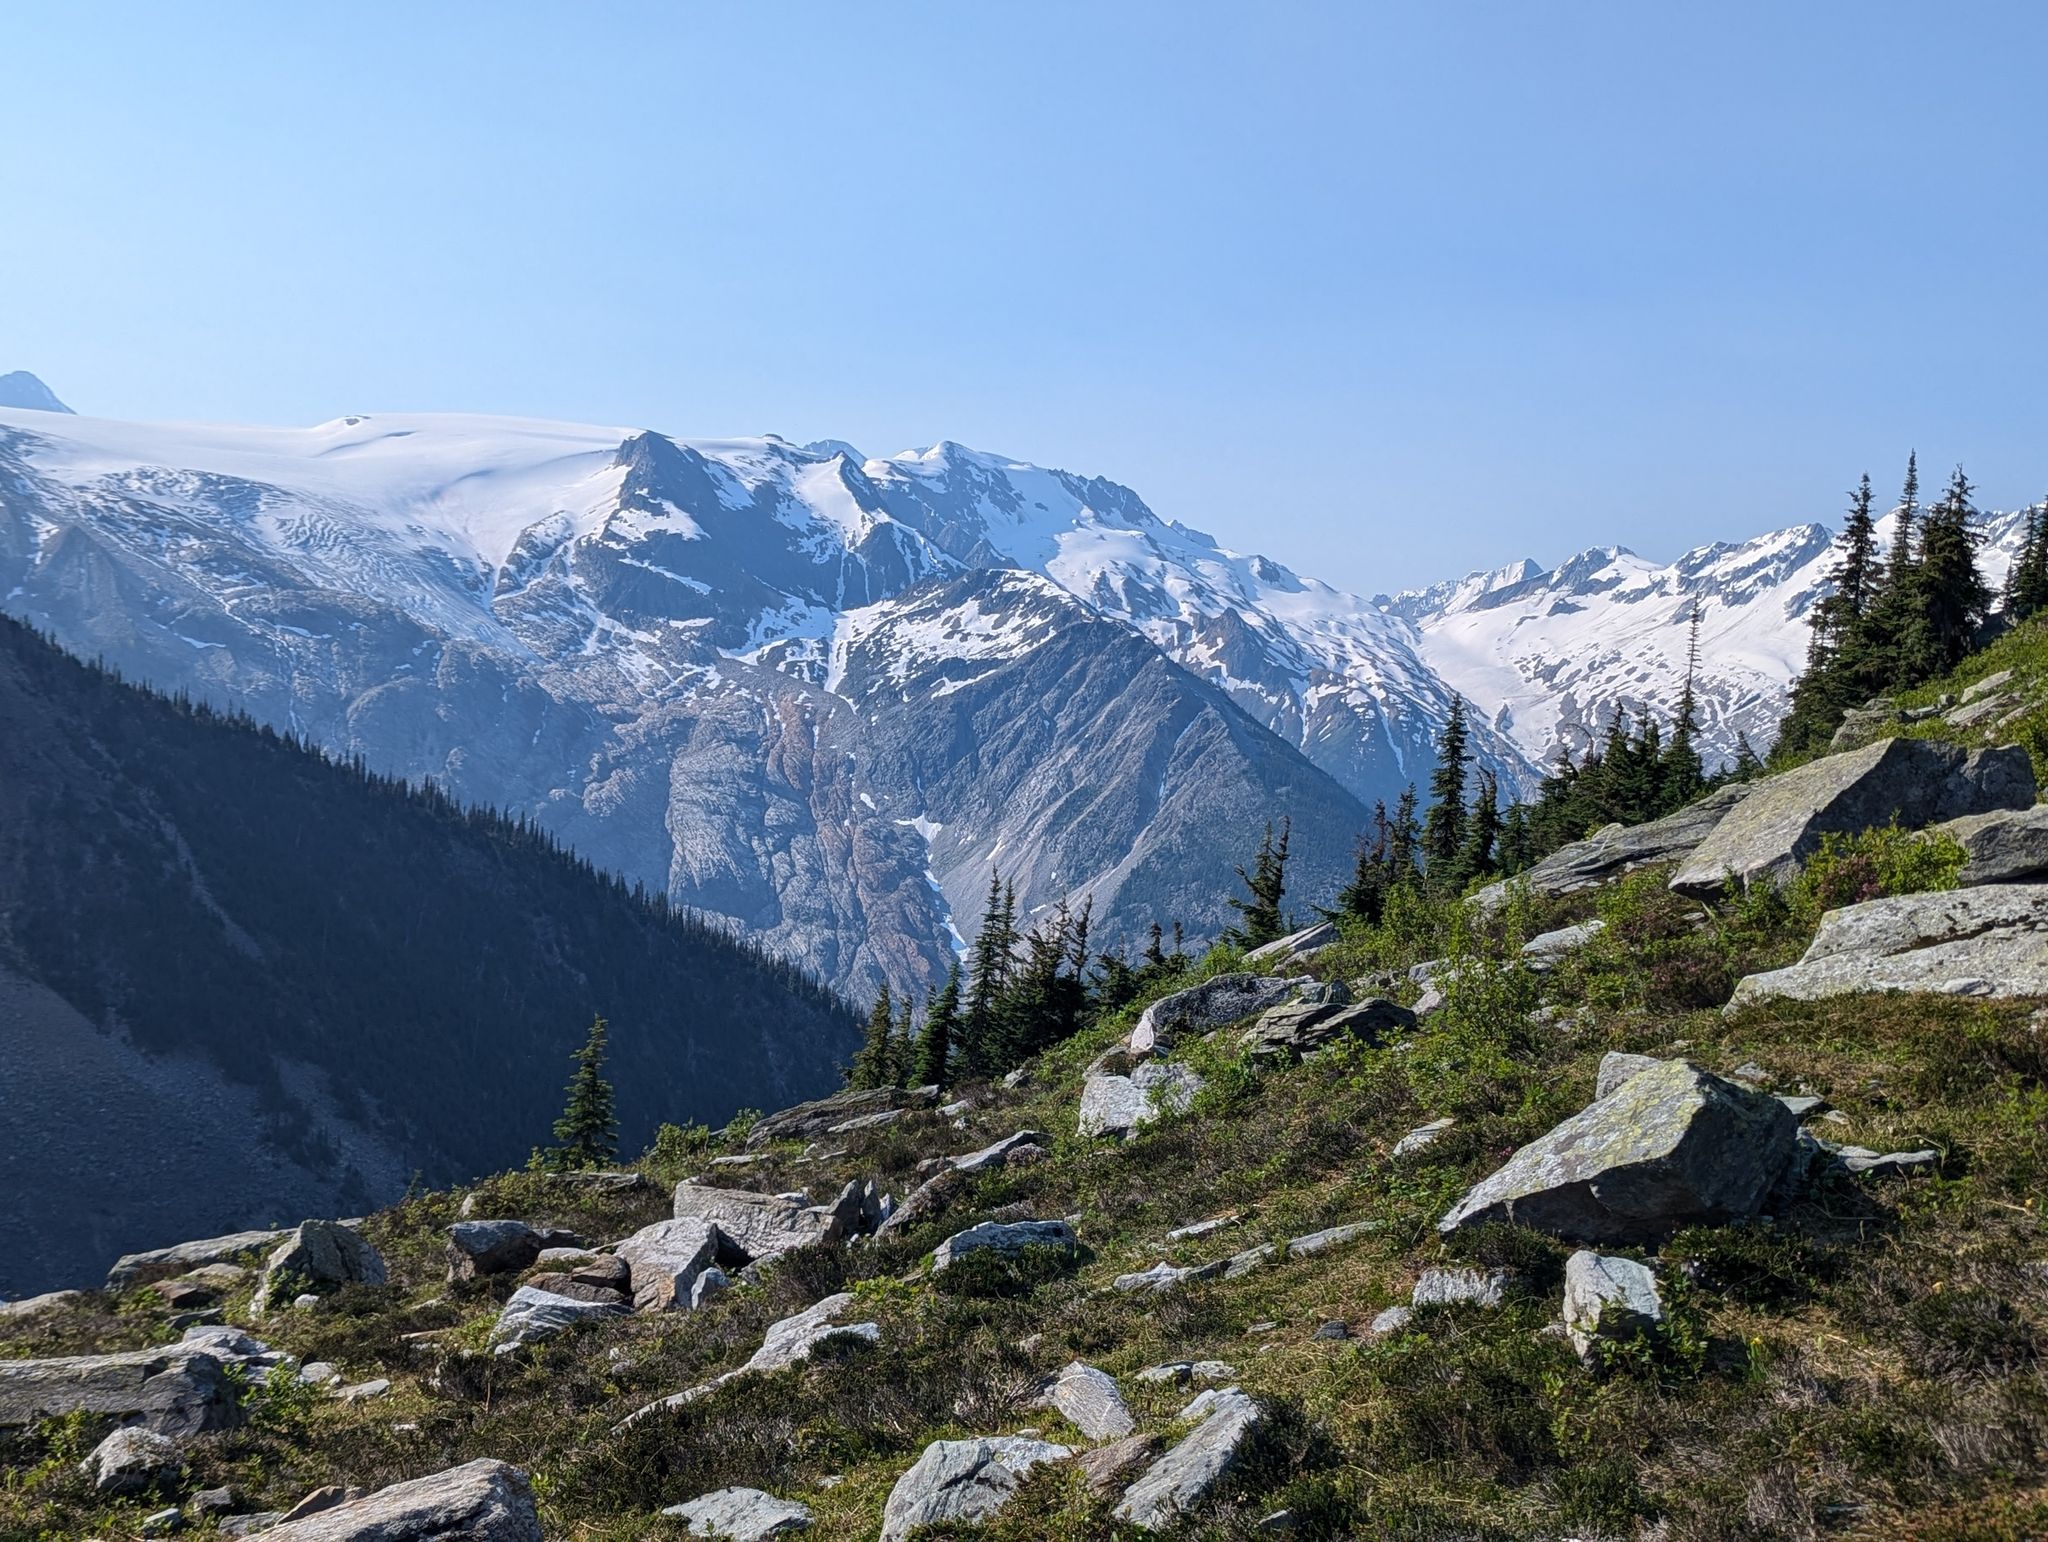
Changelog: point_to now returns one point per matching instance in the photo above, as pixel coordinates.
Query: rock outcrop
(491, 1247)
(133, 1460)
(1117, 1105)
(175, 1391)
(531, 1315)
(665, 1260)
(1964, 942)
(133, 1269)
(760, 1225)
(2008, 846)
(1215, 1003)
(316, 1257)
(1608, 1301)
(1616, 850)
(741, 1515)
(962, 1481)
(1009, 1238)
(1089, 1400)
(1185, 1475)
(482, 1501)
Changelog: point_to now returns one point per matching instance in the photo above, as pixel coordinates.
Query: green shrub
(1874, 864)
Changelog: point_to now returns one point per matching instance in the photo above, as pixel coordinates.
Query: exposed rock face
(1107, 1467)
(962, 1480)
(1009, 1238)
(1295, 945)
(133, 1461)
(996, 1155)
(490, 1247)
(1779, 825)
(1620, 849)
(666, 1259)
(587, 1276)
(1089, 1400)
(760, 1225)
(483, 1501)
(1672, 1145)
(1183, 1477)
(1972, 942)
(533, 1314)
(319, 1256)
(1112, 1105)
(1543, 951)
(134, 1269)
(807, 1121)
(2008, 846)
(1617, 1066)
(741, 1515)
(1300, 1029)
(1213, 1004)
(1610, 1300)
(176, 1391)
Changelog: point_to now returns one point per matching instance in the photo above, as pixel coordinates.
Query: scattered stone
(602, 1182)
(745, 1159)
(134, 1269)
(318, 1373)
(175, 1391)
(1201, 1228)
(1918, 782)
(1181, 1372)
(1240, 1264)
(1421, 1137)
(133, 1461)
(162, 1523)
(316, 1257)
(1544, 950)
(1296, 946)
(1987, 685)
(928, 1200)
(1329, 1237)
(530, 1316)
(741, 1515)
(665, 1260)
(997, 1155)
(1395, 1319)
(1608, 1300)
(1111, 1105)
(1009, 1238)
(1752, 1073)
(585, 1276)
(1461, 1287)
(874, 1121)
(250, 1525)
(231, 1346)
(483, 1501)
(478, 1248)
(1215, 1003)
(1279, 1520)
(364, 1391)
(1428, 1004)
(1859, 1159)
(1089, 1400)
(1162, 1277)
(214, 1501)
(788, 1342)
(962, 1481)
(759, 1225)
(1185, 1475)
(1012, 1080)
(1106, 1467)
(185, 1294)
(1968, 942)
(1671, 1146)
(1260, 1327)
(1334, 1330)
(708, 1284)
(1617, 849)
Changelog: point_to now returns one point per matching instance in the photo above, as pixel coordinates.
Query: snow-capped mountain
(817, 694)
(1550, 655)
(21, 389)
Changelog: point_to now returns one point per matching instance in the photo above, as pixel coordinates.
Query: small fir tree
(935, 1042)
(587, 1134)
(1262, 920)
(1443, 827)
(873, 1064)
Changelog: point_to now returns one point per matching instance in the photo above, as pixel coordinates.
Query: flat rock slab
(1007, 1237)
(996, 1155)
(760, 1225)
(1306, 941)
(1118, 1105)
(665, 1260)
(1298, 1029)
(1088, 1399)
(1185, 1475)
(962, 1480)
(1918, 782)
(1608, 1300)
(133, 1460)
(807, 1121)
(1548, 947)
(1422, 1137)
(175, 1391)
(788, 1342)
(482, 1501)
(1215, 1003)
(532, 1315)
(741, 1515)
(1460, 1287)
(161, 1263)
(1618, 849)
(1671, 1146)
(1971, 942)
(1617, 1067)
(1329, 1237)
(1108, 1467)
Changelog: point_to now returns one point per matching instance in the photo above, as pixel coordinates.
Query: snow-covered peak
(21, 389)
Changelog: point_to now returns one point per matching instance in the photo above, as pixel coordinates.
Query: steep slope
(19, 388)
(1551, 654)
(271, 986)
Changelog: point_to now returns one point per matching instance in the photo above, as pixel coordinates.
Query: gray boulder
(1190, 1471)
(133, 1460)
(1215, 1003)
(989, 1157)
(807, 1121)
(175, 1391)
(759, 1225)
(1329, 1237)
(1107, 1468)
(1616, 1067)
(1671, 1146)
(316, 1257)
(35, 1306)
(1972, 942)
(1117, 1105)
(1543, 951)
(2008, 846)
(788, 1342)
(532, 1314)
(1460, 1287)
(1300, 1028)
(1608, 1300)
(665, 1260)
(741, 1515)
(1615, 850)
(133, 1269)
(962, 1481)
(1422, 1137)
(483, 1501)
(1295, 945)
(1918, 782)
(1089, 1400)
(490, 1247)
(1009, 1238)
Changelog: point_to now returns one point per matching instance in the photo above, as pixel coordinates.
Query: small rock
(996, 1155)
(1241, 1264)
(1395, 1319)
(162, 1523)
(1106, 1467)
(962, 1481)
(665, 1260)
(707, 1285)
(531, 1315)
(214, 1501)
(1334, 1330)
(1616, 1068)
(1009, 1239)
(1186, 1474)
(1329, 1237)
(1421, 1137)
(363, 1391)
(1608, 1300)
(1201, 1228)
(318, 1253)
(1089, 1400)
(1858, 1159)
(133, 1461)
(1162, 1277)
(741, 1515)
(1460, 1287)
(1215, 1003)
(1544, 950)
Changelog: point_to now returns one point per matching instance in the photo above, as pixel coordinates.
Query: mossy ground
(1870, 1366)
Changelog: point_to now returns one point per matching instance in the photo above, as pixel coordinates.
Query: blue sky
(1387, 292)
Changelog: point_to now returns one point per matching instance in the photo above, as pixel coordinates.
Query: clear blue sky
(1388, 292)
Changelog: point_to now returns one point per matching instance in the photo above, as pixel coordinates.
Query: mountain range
(822, 696)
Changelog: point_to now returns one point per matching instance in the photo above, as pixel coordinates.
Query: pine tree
(935, 1043)
(1953, 594)
(2026, 586)
(1443, 827)
(873, 1065)
(1681, 777)
(1479, 857)
(1404, 844)
(1888, 635)
(1262, 920)
(903, 1047)
(1855, 573)
(1365, 897)
(1517, 844)
(994, 944)
(587, 1134)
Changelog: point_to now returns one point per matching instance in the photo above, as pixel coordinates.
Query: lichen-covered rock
(1009, 1238)
(175, 1391)
(1544, 950)
(316, 1257)
(1963, 942)
(665, 1260)
(759, 1225)
(1616, 850)
(1298, 1029)
(1215, 1003)
(2008, 846)
(1918, 782)
(962, 1480)
(1460, 1287)
(133, 1460)
(1107, 1467)
(1608, 1300)
(531, 1315)
(1088, 1399)
(1616, 1067)
(490, 1247)
(133, 1269)
(482, 1501)
(741, 1515)
(1185, 1475)
(1117, 1105)
(1669, 1147)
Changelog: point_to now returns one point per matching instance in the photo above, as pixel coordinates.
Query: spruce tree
(587, 1134)
(903, 1047)
(1365, 897)
(1479, 857)
(1953, 594)
(2026, 585)
(981, 1024)
(1681, 777)
(1855, 573)
(1443, 827)
(873, 1065)
(1404, 842)
(1262, 920)
(933, 1066)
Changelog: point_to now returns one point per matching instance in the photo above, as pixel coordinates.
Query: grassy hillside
(1869, 1366)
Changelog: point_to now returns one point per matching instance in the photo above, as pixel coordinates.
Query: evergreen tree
(1953, 594)
(1681, 777)
(1517, 844)
(1262, 920)
(1404, 843)
(874, 1064)
(1480, 856)
(1748, 767)
(903, 1047)
(1443, 827)
(1887, 635)
(587, 1134)
(994, 945)
(1855, 571)
(935, 1042)
(1365, 897)
(2026, 586)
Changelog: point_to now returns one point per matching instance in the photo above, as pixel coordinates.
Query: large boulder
(482, 1501)
(532, 1315)
(1215, 1003)
(175, 1391)
(962, 1481)
(1670, 1146)
(1608, 1301)
(807, 1121)
(1969, 942)
(1185, 1475)
(759, 1225)
(1615, 850)
(133, 1269)
(1301, 1028)
(2007, 846)
(665, 1260)
(490, 1247)
(1009, 1238)
(1917, 782)
(996, 1155)
(741, 1515)
(1117, 1105)
(316, 1257)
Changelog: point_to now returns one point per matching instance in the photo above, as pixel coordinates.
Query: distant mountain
(21, 389)
(1550, 655)
(240, 984)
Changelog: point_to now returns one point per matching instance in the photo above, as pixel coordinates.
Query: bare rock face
(175, 1391)
(1184, 1477)
(482, 1501)
(1296, 945)
(1965, 942)
(807, 1121)
(1918, 782)
(665, 1260)
(1671, 1146)
(1620, 849)
(318, 1256)
(133, 1460)
(1089, 1400)
(2009, 846)
(760, 1225)
(1117, 1105)
(533, 1314)
(490, 1247)
(133, 1269)
(1008, 1238)
(962, 1480)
